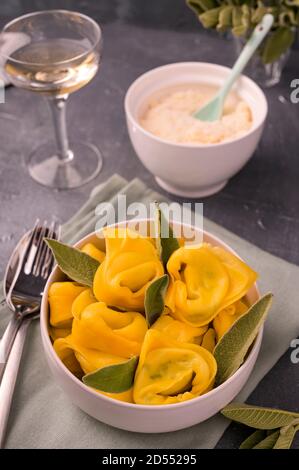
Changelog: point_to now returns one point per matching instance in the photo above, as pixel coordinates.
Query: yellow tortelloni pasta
(130, 265)
(78, 358)
(56, 333)
(209, 340)
(205, 280)
(227, 317)
(175, 329)
(171, 372)
(61, 298)
(94, 252)
(72, 307)
(82, 301)
(100, 337)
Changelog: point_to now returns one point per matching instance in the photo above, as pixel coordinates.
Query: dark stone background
(259, 204)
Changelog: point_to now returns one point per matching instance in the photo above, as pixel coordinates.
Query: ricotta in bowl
(168, 114)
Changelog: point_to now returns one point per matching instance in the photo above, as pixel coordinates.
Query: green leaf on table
(113, 379)
(154, 299)
(232, 348)
(166, 241)
(259, 417)
(286, 437)
(268, 442)
(78, 266)
(252, 440)
(277, 43)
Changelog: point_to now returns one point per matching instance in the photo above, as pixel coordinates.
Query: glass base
(48, 169)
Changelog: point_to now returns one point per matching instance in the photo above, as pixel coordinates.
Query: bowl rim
(209, 65)
(48, 346)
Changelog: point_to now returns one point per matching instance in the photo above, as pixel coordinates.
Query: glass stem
(57, 106)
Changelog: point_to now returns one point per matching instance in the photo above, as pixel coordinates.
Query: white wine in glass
(55, 53)
(41, 67)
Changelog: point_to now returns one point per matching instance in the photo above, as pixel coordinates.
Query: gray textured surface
(259, 204)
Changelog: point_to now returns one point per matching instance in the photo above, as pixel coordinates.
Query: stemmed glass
(54, 53)
(5, 118)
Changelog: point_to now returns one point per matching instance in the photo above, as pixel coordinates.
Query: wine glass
(54, 53)
(5, 118)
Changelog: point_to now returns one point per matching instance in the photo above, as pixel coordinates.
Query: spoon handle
(249, 49)
(7, 340)
(7, 385)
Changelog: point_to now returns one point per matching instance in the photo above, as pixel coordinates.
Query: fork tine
(29, 256)
(44, 251)
(22, 263)
(47, 258)
(38, 259)
(48, 261)
(39, 250)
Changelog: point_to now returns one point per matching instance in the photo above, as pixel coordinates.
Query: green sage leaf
(169, 242)
(286, 437)
(239, 29)
(287, 18)
(157, 228)
(209, 19)
(232, 348)
(225, 18)
(113, 379)
(154, 299)
(258, 417)
(277, 43)
(268, 442)
(258, 14)
(77, 265)
(246, 16)
(292, 3)
(252, 440)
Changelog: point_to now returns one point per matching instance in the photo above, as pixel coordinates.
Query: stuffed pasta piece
(101, 337)
(170, 371)
(130, 265)
(205, 280)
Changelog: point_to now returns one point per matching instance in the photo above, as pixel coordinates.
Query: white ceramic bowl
(144, 418)
(192, 170)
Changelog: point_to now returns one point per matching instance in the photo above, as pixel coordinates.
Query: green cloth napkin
(42, 416)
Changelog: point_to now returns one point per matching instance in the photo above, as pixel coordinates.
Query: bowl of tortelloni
(134, 330)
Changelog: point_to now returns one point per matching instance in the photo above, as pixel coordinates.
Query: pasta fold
(130, 265)
(61, 298)
(171, 372)
(204, 281)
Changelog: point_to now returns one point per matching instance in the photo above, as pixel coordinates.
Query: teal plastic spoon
(213, 110)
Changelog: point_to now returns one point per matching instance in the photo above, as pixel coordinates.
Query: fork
(24, 297)
(24, 293)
